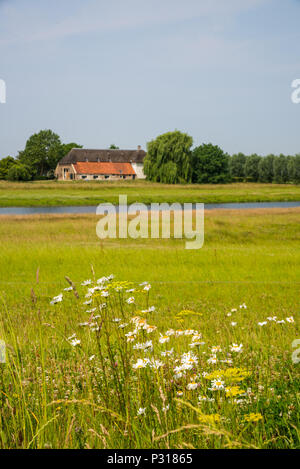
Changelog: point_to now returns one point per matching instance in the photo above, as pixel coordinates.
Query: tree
(42, 152)
(5, 164)
(113, 147)
(280, 169)
(265, 169)
(210, 164)
(19, 172)
(65, 148)
(251, 167)
(168, 158)
(294, 169)
(237, 166)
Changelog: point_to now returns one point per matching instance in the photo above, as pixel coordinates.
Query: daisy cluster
(178, 360)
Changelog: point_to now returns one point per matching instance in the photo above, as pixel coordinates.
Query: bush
(5, 164)
(19, 172)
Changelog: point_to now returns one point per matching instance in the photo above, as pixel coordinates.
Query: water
(92, 208)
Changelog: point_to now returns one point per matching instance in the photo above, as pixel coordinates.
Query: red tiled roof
(104, 168)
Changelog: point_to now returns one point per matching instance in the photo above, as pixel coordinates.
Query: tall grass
(106, 370)
(57, 392)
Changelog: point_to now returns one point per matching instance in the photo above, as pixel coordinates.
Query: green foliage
(294, 169)
(42, 152)
(237, 166)
(251, 167)
(210, 164)
(66, 147)
(168, 158)
(5, 164)
(280, 169)
(265, 169)
(19, 172)
(113, 147)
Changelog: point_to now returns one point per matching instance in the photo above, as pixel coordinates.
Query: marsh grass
(58, 193)
(52, 393)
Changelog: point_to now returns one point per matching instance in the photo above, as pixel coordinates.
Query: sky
(125, 71)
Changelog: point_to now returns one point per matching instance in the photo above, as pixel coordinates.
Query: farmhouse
(86, 164)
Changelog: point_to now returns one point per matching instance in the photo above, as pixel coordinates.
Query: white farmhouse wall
(139, 170)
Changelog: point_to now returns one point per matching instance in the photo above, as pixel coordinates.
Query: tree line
(38, 160)
(171, 159)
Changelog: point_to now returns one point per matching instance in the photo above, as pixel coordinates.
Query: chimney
(139, 147)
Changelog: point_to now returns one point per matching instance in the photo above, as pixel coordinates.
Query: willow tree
(168, 158)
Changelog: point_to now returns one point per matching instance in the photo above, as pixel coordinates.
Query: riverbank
(83, 193)
(91, 209)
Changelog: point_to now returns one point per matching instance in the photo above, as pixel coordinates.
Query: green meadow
(53, 193)
(66, 385)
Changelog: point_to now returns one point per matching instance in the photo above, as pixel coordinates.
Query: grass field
(57, 394)
(54, 193)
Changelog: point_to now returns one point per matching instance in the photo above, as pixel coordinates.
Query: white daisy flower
(236, 348)
(74, 342)
(179, 332)
(262, 323)
(189, 360)
(149, 310)
(191, 386)
(130, 300)
(57, 299)
(290, 319)
(217, 384)
(141, 363)
(195, 344)
(141, 411)
(163, 339)
(215, 349)
(149, 328)
(156, 364)
(212, 360)
(190, 332)
(86, 282)
(196, 337)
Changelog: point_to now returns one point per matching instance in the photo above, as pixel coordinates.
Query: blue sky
(124, 71)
